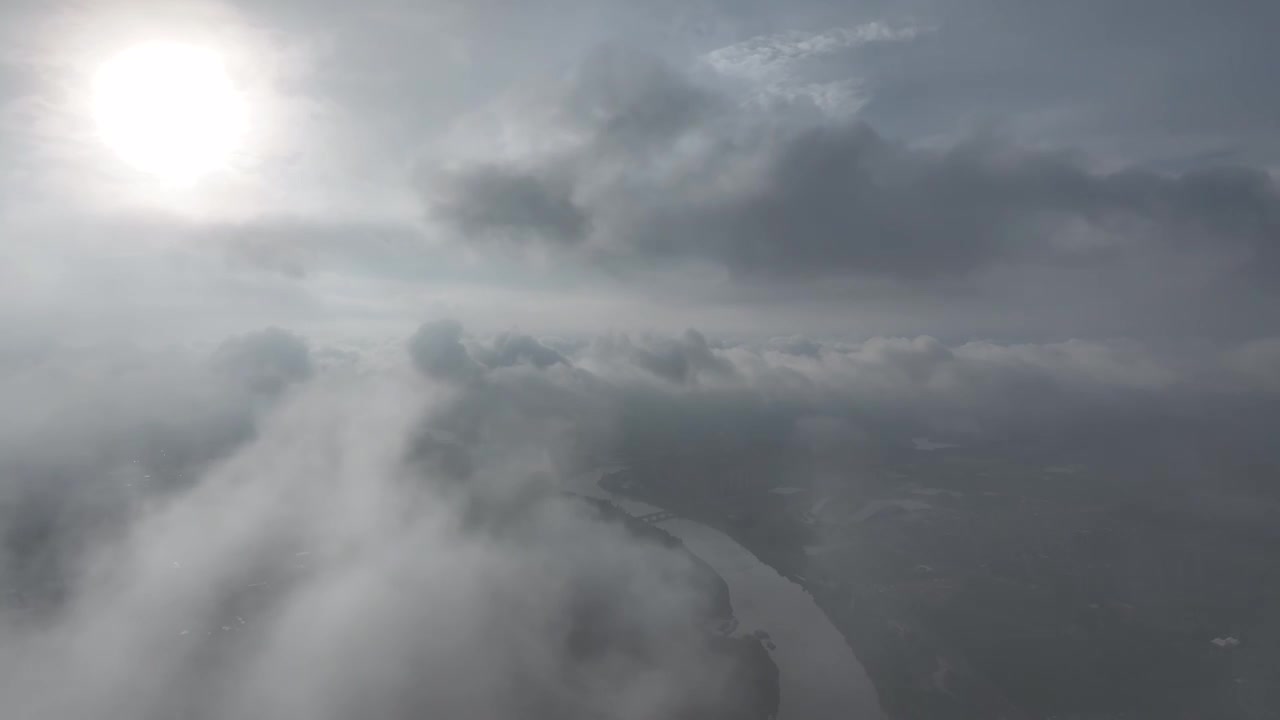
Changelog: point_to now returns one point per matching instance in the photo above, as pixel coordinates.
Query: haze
(569, 359)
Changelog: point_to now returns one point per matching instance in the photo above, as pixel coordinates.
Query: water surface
(820, 677)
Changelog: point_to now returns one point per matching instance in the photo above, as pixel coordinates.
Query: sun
(169, 110)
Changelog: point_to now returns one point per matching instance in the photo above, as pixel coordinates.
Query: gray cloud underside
(668, 170)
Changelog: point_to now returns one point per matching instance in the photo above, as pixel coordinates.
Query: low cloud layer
(290, 441)
(299, 562)
(378, 530)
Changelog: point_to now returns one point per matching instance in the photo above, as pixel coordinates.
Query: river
(820, 677)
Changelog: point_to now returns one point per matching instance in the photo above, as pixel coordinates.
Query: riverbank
(819, 674)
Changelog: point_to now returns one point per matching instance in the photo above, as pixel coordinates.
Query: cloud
(88, 433)
(1034, 231)
(491, 202)
(333, 543)
(840, 198)
(630, 166)
(509, 349)
(400, 506)
(1132, 96)
(664, 172)
(266, 361)
(437, 351)
(790, 69)
(772, 57)
(678, 360)
(652, 397)
(1258, 363)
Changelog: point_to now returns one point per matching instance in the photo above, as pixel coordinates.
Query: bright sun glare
(170, 110)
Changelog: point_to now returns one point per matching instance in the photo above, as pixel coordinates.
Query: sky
(1010, 171)
(470, 247)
